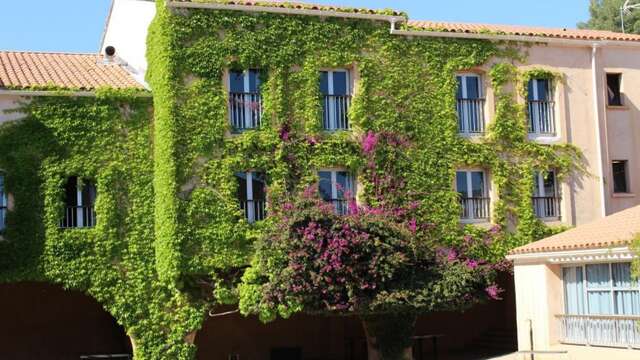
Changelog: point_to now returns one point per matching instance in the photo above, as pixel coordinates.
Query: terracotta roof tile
(294, 5)
(32, 70)
(615, 230)
(522, 30)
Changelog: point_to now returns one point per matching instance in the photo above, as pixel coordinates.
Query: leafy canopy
(605, 15)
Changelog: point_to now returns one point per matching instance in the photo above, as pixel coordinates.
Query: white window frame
(464, 117)
(541, 177)
(333, 121)
(334, 183)
(251, 211)
(246, 89)
(80, 218)
(469, 191)
(611, 288)
(536, 97)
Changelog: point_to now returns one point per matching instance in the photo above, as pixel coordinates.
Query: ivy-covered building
(143, 177)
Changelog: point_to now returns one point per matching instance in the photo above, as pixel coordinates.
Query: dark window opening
(252, 195)
(620, 181)
(614, 94)
(286, 354)
(80, 198)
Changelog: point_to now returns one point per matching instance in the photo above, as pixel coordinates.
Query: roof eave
(287, 11)
(585, 255)
(61, 93)
(517, 38)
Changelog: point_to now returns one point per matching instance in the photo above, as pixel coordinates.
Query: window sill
(471, 135)
(623, 195)
(474, 221)
(617, 107)
(544, 138)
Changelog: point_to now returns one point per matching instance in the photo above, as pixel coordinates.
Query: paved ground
(476, 356)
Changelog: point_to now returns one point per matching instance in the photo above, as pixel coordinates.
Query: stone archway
(44, 321)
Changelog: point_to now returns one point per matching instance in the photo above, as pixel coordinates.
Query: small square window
(620, 176)
(614, 94)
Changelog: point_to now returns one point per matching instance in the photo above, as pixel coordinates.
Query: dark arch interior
(43, 321)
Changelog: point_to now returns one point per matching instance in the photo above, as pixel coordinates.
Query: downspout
(598, 132)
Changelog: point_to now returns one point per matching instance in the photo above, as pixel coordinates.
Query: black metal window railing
(245, 110)
(335, 112)
(78, 217)
(254, 210)
(547, 207)
(470, 116)
(475, 208)
(542, 117)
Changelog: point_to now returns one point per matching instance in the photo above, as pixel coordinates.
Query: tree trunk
(389, 336)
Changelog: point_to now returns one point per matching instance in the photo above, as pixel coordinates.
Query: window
(252, 195)
(80, 198)
(614, 95)
(245, 103)
(337, 187)
(620, 180)
(470, 104)
(3, 205)
(541, 107)
(546, 198)
(472, 188)
(601, 289)
(602, 303)
(336, 94)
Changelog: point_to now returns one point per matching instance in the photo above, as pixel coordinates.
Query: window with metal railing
(252, 195)
(79, 210)
(336, 99)
(470, 105)
(473, 193)
(541, 108)
(602, 305)
(338, 188)
(245, 102)
(546, 195)
(3, 205)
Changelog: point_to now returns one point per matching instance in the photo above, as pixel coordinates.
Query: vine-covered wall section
(169, 227)
(402, 85)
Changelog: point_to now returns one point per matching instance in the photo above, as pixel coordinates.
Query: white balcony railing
(335, 112)
(254, 210)
(547, 207)
(78, 217)
(609, 330)
(542, 117)
(475, 208)
(245, 111)
(470, 116)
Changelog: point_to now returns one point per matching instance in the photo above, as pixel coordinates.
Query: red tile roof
(618, 229)
(294, 5)
(574, 34)
(37, 70)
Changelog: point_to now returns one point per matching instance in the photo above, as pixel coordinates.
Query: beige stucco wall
(8, 102)
(538, 299)
(577, 124)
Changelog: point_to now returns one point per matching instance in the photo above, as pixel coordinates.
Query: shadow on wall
(305, 337)
(43, 321)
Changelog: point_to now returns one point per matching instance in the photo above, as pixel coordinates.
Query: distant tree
(605, 15)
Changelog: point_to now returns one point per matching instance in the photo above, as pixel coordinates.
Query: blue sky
(76, 25)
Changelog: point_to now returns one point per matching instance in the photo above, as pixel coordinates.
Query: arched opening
(44, 321)
(481, 332)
